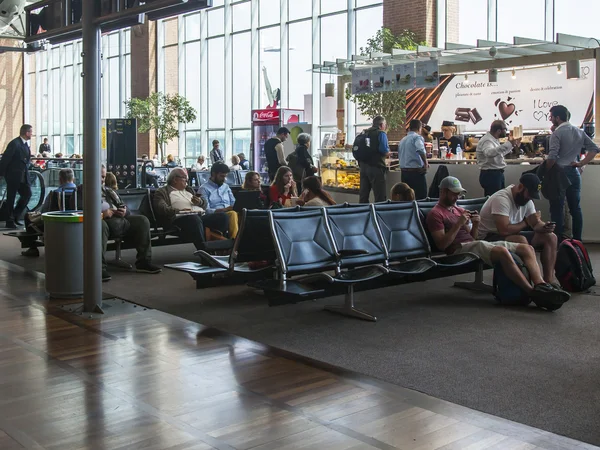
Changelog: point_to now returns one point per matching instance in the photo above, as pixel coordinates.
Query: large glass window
(270, 70)
(529, 22)
(269, 12)
(242, 81)
(242, 13)
(299, 9)
(216, 83)
(334, 38)
(241, 142)
(192, 27)
(192, 87)
(577, 17)
(466, 21)
(368, 22)
(216, 22)
(329, 6)
(219, 135)
(300, 62)
(192, 146)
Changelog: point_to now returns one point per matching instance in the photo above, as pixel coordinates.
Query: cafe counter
(468, 174)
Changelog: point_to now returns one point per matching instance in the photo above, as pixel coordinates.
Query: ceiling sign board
(60, 20)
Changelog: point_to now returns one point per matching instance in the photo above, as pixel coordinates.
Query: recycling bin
(63, 242)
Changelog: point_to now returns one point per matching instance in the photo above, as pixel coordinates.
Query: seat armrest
(352, 252)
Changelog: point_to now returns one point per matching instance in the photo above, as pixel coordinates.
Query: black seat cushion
(354, 228)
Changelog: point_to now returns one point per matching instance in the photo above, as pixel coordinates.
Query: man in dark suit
(14, 167)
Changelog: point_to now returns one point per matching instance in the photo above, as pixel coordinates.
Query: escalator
(38, 193)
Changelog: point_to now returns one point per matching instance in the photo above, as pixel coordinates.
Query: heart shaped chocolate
(506, 110)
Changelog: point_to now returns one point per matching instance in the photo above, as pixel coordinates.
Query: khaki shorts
(483, 249)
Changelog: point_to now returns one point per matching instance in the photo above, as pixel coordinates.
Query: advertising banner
(382, 79)
(523, 101)
(404, 76)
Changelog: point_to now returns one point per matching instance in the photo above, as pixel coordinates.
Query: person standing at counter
(413, 160)
(274, 151)
(566, 143)
(448, 139)
(373, 169)
(490, 157)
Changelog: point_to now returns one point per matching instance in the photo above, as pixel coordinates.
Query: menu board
(427, 73)
(361, 81)
(382, 79)
(404, 76)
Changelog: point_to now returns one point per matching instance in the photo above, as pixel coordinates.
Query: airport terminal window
(241, 80)
(192, 87)
(241, 16)
(227, 100)
(299, 9)
(216, 83)
(577, 17)
(192, 145)
(269, 12)
(528, 23)
(219, 135)
(241, 142)
(216, 22)
(330, 6)
(192, 27)
(299, 58)
(270, 62)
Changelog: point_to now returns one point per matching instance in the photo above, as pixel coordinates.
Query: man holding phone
(510, 215)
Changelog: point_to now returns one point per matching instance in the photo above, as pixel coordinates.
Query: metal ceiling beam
(507, 63)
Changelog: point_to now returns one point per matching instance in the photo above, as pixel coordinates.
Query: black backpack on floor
(573, 267)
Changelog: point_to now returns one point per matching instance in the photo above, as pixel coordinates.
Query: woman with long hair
(402, 192)
(314, 195)
(252, 181)
(283, 187)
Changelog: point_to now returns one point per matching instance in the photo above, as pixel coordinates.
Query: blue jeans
(573, 196)
(491, 181)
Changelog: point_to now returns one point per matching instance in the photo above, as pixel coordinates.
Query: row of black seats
(297, 254)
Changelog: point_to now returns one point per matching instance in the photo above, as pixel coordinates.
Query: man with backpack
(455, 230)
(370, 149)
(510, 215)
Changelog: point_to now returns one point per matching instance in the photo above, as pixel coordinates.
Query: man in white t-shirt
(507, 215)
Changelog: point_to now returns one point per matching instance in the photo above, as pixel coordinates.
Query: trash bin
(63, 242)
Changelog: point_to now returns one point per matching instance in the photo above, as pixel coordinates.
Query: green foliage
(391, 105)
(161, 113)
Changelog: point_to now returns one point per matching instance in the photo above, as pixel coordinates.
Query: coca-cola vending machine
(265, 123)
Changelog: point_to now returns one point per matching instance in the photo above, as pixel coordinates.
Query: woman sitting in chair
(283, 187)
(313, 194)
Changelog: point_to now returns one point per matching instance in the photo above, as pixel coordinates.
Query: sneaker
(105, 275)
(548, 297)
(147, 267)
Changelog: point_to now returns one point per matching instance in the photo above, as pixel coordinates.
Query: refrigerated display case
(265, 123)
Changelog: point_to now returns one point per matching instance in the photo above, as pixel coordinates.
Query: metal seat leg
(477, 284)
(348, 308)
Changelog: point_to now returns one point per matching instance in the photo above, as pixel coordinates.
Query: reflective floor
(147, 380)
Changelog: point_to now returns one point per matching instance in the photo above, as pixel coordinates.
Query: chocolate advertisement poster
(404, 76)
(427, 73)
(382, 79)
(361, 81)
(524, 101)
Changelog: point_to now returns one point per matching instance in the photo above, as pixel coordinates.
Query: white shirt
(183, 200)
(490, 153)
(197, 167)
(502, 203)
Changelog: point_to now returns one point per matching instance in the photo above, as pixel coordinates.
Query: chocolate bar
(475, 116)
(462, 118)
(462, 111)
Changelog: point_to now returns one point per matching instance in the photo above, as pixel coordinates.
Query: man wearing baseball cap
(455, 230)
(510, 215)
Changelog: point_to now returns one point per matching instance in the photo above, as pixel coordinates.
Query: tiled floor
(147, 380)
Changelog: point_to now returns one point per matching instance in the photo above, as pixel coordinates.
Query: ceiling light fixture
(559, 69)
(514, 74)
(493, 75)
(466, 76)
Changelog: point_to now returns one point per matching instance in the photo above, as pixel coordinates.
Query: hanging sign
(382, 79)
(404, 76)
(361, 81)
(427, 73)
